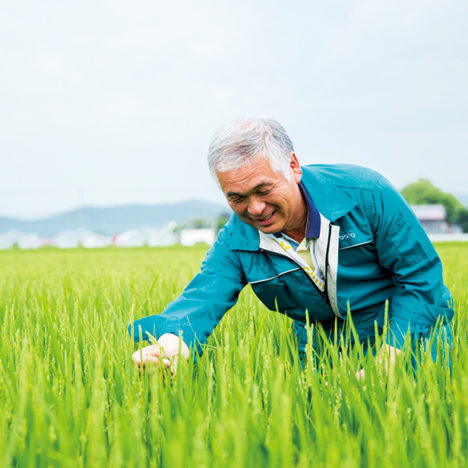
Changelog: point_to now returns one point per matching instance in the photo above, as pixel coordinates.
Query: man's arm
(196, 312)
(404, 249)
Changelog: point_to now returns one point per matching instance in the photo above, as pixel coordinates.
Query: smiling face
(265, 199)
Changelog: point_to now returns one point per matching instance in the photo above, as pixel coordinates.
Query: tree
(423, 192)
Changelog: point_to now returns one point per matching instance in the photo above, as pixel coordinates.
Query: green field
(70, 396)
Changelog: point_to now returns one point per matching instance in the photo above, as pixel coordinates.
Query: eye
(263, 192)
(235, 199)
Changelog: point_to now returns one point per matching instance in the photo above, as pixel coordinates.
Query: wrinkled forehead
(248, 176)
(258, 163)
(255, 161)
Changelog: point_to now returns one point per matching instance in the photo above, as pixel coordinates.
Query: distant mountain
(116, 219)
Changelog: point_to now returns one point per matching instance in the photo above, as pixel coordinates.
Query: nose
(256, 207)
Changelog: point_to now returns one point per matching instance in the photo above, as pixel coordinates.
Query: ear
(295, 168)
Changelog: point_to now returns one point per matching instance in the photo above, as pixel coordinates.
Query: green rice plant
(71, 397)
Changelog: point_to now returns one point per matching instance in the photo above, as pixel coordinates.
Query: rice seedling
(70, 396)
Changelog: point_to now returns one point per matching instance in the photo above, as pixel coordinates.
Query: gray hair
(245, 140)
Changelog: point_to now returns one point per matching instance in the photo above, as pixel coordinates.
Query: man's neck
(297, 235)
(297, 231)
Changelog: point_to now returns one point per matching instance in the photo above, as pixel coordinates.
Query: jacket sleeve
(202, 304)
(404, 249)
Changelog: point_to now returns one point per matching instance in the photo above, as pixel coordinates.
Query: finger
(153, 350)
(141, 354)
(140, 359)
(149, 363)
(152, 360)
(148, 360)
(137, 357)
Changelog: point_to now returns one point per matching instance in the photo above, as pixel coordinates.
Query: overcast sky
(109, 102)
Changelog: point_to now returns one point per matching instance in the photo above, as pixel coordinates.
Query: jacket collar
(330, 201)
(325, 193)
(313, 215)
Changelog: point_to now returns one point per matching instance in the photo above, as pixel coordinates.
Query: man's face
(263, 198)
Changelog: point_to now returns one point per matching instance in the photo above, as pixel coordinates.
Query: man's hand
(386, 356)
(167, 351)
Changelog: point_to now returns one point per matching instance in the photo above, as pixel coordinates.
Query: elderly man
(321, 240)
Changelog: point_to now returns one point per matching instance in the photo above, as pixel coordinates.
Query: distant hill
(116, 219)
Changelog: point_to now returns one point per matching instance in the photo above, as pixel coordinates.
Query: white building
(29, 241)
(145, 236)
(93, 240)
(131, 238)
(74, 238)
(9, 239)
(432, 217)
(159, 237)
(193, 236)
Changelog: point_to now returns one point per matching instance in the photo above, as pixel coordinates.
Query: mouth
(266, 220)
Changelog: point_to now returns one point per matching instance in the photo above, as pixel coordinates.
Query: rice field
(71, 397)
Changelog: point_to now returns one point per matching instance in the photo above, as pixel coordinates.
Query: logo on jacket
(347, 235)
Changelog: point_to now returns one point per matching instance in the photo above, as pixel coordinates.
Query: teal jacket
(371, 246)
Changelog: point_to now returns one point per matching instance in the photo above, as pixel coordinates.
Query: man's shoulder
(342, 175)
(237, 235)
(336, 189)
